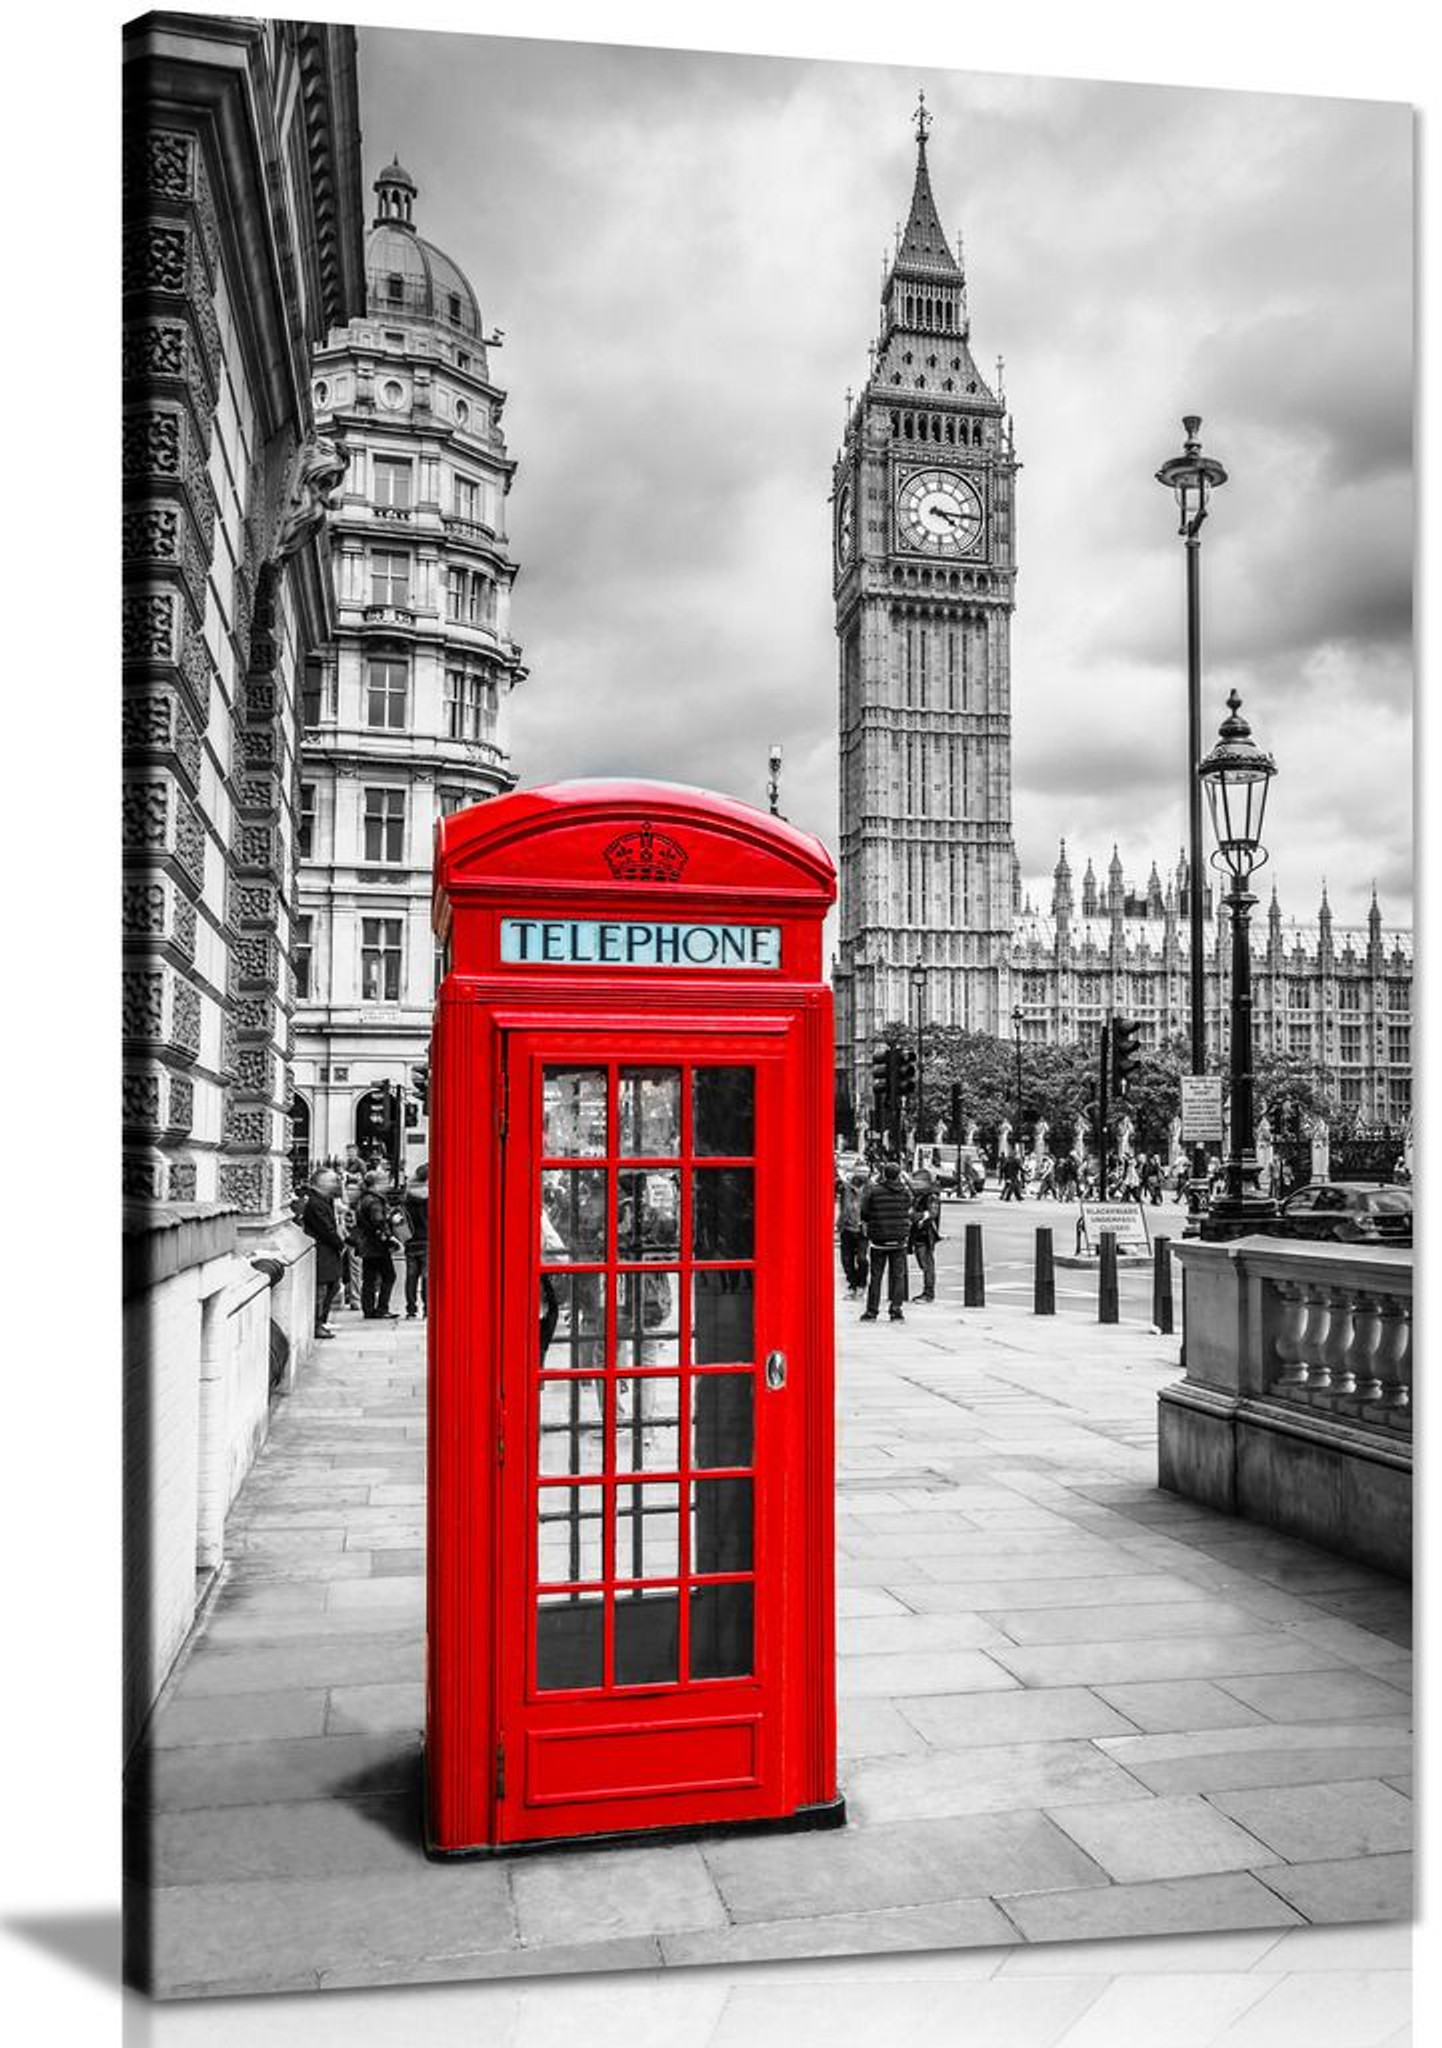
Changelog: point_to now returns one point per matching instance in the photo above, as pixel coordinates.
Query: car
(1347, 1212)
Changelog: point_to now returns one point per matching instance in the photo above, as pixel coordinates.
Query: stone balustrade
(1295, 1408)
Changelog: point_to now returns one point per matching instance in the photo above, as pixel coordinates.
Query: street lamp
(1193, 477)
(1237, 775)
(1016, 1024)
(918, 990)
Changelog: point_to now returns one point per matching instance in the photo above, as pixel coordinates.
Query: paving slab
(872, 1727)
(887, 1675)
(1101, 1663)
(1177, 1836)
(1161, 1706)
(377, 1709)
(1186, 1905)
(999, 1778)
(1321, 1695)
(973, 1720)
(281, 1839)
(247, 1773)
(247, 1717)
(1324, 1822)
(609, 1894)
(1353, 1888)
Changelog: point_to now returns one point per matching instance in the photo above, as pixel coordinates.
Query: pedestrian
(925, 1229)
(375, 1242)
(345, 1208)
(886, 1216)
(1066, 1177)
(318, 1221)
(1011, 1178)
(417, 1205)
(1152, 1178)
(1046, 1180)
(850, 1231)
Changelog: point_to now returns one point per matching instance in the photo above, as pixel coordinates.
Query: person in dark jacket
(886, 1218)
(373, 1241)
(850, 1232)
(318, 1221)
(925, 1229)
(417, 1205)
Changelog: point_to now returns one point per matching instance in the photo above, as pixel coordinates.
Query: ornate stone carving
(153, 348)
(260, 698)
(185, 1017)
(182, 1180)
(229, 1048)
(152, 444)
(190, 840)
(142, 1002)
(150, 533)
(198, 668)
(147, 626)
(246, 1129)
(246, 1182)
(254, 1070)
(258, 793)
(252, 1015)
(140, 1099)
(255, 845)
(142, 1177)
(182, 1103)
(155, 257)
(256, 903)
(199, 489)
(257, 745)
(144, 813)
(142, 910)
(256, 954)
(162, 163)
(182, 931)
(316, 474)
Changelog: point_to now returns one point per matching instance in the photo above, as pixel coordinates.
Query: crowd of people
(360, 1218)
(1139, 1177)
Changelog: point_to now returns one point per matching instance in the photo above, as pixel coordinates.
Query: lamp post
(918, 990)
(1236, 775)
(1016, 1024)
(1192, 477)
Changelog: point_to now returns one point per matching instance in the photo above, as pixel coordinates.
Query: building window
(455, 307)
(301, 953)
(1350, 1091)
(1399, 1095)
(395, 288)
(1399, 1044)
(1399, 995)
(386, 692)
(455, 691)
(438, 973)
(468, 498)
(449, 801)
(1299, 995)
(390, 578)
(1349, 1046)
(1299, 1041)
(305, 822)
(455, 593)
(385, 825)
(380, 959)
(1349, 995)
(310, 695)
(393, 483)
(476, 695)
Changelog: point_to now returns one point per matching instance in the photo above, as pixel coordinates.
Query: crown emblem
(645, 855)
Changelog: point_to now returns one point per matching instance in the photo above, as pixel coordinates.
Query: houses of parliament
(924, 581)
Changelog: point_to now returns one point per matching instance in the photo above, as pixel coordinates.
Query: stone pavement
(1071, 1706)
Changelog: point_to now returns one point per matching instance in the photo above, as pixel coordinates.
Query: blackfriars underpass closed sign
(593, 942)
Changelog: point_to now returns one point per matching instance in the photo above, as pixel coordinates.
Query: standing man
(925, 1228)
(373, 1242)
(417, 1205)
(886, 1216)
(851, 1232)
(1011, 1177)
(318, 1221)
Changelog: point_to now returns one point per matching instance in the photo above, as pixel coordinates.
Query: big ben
(925, 584)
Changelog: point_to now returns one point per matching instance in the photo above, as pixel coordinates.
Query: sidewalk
(1071, 1705)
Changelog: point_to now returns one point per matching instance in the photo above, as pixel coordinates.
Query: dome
(407, 275)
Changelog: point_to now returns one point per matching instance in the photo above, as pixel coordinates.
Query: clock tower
(924, 578)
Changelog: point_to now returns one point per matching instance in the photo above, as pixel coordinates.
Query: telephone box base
(806, 1819)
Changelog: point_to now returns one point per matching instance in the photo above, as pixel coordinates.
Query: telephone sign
(630, 1579)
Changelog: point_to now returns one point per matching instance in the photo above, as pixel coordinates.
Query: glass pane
(573, 1117)
(572, 1436)
(722, 1332)
(647, 1316)
(721, 1422)
(573, 1322)
(648, 1214)
(568, 1533)
(723, 1112)
(573, 1214)
(648, 1426)
(721, 1525)
(651, 1112)
(721, 1631)
(723, 1213)
(646, 1637)
(570, 1645)
(648, 1531)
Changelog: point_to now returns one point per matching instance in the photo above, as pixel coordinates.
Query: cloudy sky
(685, 254)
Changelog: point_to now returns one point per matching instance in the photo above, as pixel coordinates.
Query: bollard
(1107, 1282)
(1162, 1285)
(1043, 1299)
(974, 1286)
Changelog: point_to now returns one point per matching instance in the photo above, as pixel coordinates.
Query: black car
(1348, 1212)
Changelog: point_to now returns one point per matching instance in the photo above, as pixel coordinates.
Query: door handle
(775, 1369)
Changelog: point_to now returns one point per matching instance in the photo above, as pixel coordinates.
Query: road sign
(1202, 1109)
(1127, 1219)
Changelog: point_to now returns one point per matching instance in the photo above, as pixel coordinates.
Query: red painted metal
(577, 1686)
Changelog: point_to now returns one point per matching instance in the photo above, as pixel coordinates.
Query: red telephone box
(630, 1590)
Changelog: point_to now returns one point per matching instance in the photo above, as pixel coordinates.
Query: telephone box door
(648, 1420)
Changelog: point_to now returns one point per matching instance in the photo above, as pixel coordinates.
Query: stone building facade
(243, 244)
(924, 574)
(407, 719)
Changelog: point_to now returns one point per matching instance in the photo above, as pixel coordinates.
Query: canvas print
(767, 734)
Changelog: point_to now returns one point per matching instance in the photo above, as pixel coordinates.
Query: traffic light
(1126, 1052)
(373, 1114)
(881, 1073)
(905, 1070)
(421, 1085)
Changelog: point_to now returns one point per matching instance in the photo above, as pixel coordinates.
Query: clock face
(939, 513)
(845, 521)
